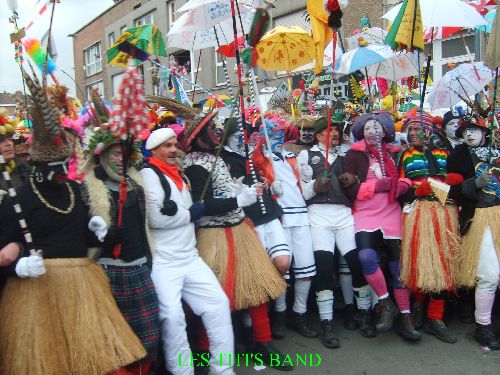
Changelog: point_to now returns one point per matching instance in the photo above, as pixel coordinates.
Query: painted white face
(473, 137)
(373, 132)
(451, 127)
(235, 142)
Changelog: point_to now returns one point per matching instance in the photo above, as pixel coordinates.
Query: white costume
(179, 273)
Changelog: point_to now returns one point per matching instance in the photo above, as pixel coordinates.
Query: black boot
(418, 314)
(466, 312)
(406, 328)
(349, 314)
(485, 337)
(278, 324)
(439, 329)
(271, 356)
(386, 312)
(328, 338)
(365, 323)
(300, 323)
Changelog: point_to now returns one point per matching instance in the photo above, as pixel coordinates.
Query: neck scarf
(170, 170)
(389, 166)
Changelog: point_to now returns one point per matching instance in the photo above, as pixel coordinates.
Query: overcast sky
(69, 16)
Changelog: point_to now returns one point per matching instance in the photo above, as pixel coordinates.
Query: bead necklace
(48, 205)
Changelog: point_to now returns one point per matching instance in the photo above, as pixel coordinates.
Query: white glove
(306, 172)
(277, 188)
(247, 197)
(2, 194)
(99, 227)
(31, 266)
(236, 186)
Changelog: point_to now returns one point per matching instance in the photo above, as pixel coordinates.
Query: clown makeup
(473, 137)
(437, 141)
(451, 128)
(235, 142)
(306, 136)
(277, 141)
(414, 137)
(373, 132)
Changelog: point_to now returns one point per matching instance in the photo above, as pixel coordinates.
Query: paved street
(388, 354)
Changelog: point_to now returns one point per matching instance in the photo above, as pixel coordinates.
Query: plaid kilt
(136, 298)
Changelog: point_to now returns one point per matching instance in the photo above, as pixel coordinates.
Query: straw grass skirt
(430, 247)
(242, 266)
(471, 243)
(64, 323)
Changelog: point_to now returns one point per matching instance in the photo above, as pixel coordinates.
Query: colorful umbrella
(400, 66)
(459, 84)
(363, 57)
(490, 18)
(216, 102)
(285, 48)
(407, 31)
(138, 43)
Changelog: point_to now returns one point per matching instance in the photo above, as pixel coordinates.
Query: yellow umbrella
(285, 48)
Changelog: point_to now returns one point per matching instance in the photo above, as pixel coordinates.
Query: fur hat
(159, 136)
(385, 120)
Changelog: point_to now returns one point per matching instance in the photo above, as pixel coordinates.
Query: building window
(170, 13)
(183, 61)
(111, 39)
(147, 18)
(122, 29)
(99, 85)
(93, 59)
(220, 78)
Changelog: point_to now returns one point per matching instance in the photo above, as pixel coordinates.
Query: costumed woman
(126, 251)
(58, 314)
(430, 227)
(479, 198)
(371, 181)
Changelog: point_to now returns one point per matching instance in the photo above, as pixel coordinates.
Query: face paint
(56, 171)
(115, 159)
(277, 142)
(451, 127)
(437, 141)
(235, 142)
(373, 132)
(473, 137)
(306, 135)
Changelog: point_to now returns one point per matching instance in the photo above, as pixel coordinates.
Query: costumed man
(226, 241)
(450, 124)
(58, 313)
(305, 125)
(265, 216)
(280, 169)
(332, 225)
(430, 228)
(179, 273)
(479, 198)
(371, 181)
(126, 249)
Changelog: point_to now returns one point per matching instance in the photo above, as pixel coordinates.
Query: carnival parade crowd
(112, 249)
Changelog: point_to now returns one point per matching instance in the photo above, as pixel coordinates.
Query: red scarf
(390, 167)
(170, 170)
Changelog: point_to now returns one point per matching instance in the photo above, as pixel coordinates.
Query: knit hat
(51, 142)
(385, 120)
(159, 136)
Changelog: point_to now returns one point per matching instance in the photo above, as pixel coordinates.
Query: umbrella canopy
(400, 66)
(219, 4)
(439, 13)
(182, 35)
(362, 57)
(285, 48)
(490, 18)
(459, 84)
(373, 35)
(216, 102)
(138, 43)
